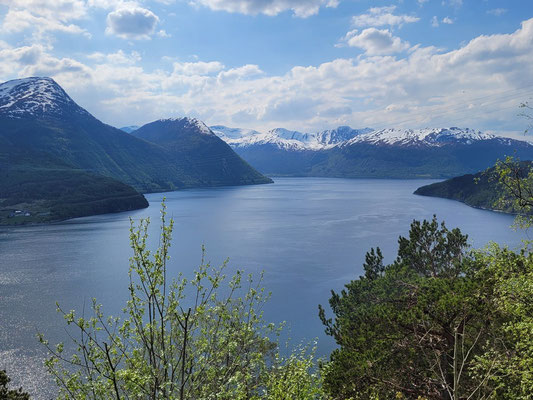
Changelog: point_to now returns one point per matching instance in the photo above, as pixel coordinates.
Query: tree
(510, 361)
(514, 180)
(10, 394)
(178, 339)
(294, 377)
(412, 328)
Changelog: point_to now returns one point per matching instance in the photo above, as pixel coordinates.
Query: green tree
(509, 362)
(515, 184)
(294, 377)
(412, 328)
(179, 339)
(514, 179)
(10, 394)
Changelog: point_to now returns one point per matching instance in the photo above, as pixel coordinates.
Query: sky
(306, 65)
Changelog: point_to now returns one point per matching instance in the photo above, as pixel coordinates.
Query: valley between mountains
(57, 161)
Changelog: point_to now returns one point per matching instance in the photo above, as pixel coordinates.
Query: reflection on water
(309, 236)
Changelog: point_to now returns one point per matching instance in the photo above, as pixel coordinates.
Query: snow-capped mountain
(340, 134)
(36, 97)
(165, 131)
(345, 136)
(187, 123)
(240, 138)
(232, 133)
(192, 124)
(385, 153)
(424, 137)
(286, 139)
(37, 117)
(215, 162)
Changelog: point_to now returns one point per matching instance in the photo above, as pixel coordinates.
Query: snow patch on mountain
(190, 123)
(286, 139)
(279, 137)
(37, 97)
(340, 134)
(345, 136)
(436, 137)
(232, 133)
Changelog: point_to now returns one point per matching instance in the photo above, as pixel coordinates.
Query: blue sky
(299, 64)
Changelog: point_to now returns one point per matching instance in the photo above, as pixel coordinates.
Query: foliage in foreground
(10, 394)
(510, 363)
(180, 339)
(440, 322)
(515, 178)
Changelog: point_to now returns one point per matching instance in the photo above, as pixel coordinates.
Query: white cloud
(162, 33)
(447, 20)
(497, 11)
(300, 8)
(106, 4)
(61, 10)
(35, 60)
(245, 71)
(41, 16)
(382, 16)
(132, 22)
(118, 58)
(479, 85)
(376, 41)
(20, 20)
(434, 21)
(197, 68)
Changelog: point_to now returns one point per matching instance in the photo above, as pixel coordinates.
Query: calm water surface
(308, 235)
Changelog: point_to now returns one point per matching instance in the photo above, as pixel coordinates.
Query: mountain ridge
(39, 121)
(367, 153)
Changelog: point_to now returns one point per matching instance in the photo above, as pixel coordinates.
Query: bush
(180, 339)
(10, 394)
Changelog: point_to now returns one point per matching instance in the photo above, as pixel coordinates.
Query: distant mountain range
(366, 153)
(58, 161)
(285, 139)
(45, 134)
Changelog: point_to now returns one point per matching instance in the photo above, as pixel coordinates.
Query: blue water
(308, 235)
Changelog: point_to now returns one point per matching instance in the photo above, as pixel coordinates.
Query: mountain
(192, 145)
(36, 114)
(421, 137)
(36, 187)
(129, 129)
(340, 135)
(476, 190)
(40, 122)
(366, 153)
(282, 152)
(423, 153)
(286, 139)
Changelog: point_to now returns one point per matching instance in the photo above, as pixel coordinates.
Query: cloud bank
(132, 23)
(479, 84)
(300, 8)
(382, 16)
